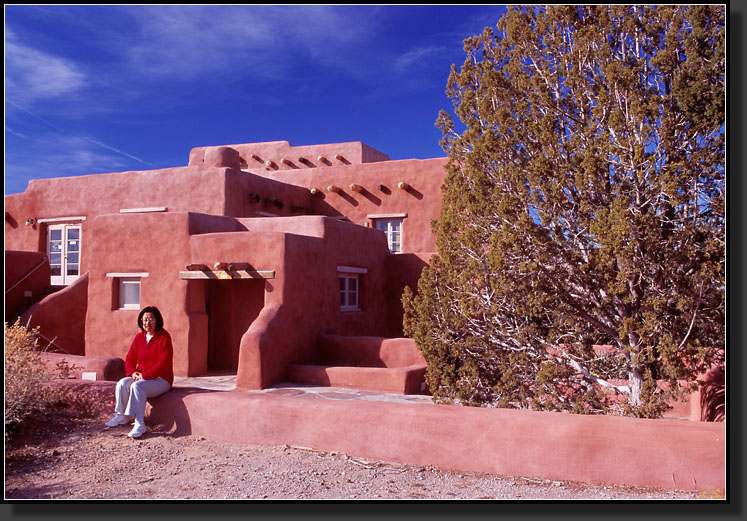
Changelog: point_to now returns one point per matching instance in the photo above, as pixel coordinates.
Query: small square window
(129, 293)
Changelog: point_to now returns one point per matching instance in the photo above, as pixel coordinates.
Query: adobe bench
(392, 365)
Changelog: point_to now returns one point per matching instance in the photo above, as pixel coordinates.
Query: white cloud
(31, 74)
(184, 42)
(60, 156)
(418, 58)
(262, 42)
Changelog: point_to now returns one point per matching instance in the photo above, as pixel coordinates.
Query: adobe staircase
(392, 365)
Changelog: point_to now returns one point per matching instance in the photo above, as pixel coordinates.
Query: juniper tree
(584, 204)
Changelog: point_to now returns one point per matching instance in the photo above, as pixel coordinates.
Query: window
(126, 290)
(350, 287)
(393, 230)
(129, 293)
(63, 249)
(348, 291)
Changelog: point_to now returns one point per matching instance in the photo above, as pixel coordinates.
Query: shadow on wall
(403, 269)
(64, 332)
(169, 411)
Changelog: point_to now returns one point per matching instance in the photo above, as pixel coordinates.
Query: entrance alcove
(231, 306)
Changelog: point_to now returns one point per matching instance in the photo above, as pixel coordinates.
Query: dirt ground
(69, 454)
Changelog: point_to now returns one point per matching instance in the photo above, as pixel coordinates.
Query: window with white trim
(393, 230)
(348, 291)
(129, 292)
(350, 287)
(126, 290)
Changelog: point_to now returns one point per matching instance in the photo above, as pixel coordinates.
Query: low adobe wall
(109, 369)
(592, 449)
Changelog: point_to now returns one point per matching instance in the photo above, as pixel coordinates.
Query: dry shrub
(27, 380)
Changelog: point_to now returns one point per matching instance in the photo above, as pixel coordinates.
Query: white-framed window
(126, 287)
(63, 250)
(393, 230)
(348, 291)
(350, 287)
(129, 293)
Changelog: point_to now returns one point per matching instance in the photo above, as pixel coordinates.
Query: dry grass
(28, 389)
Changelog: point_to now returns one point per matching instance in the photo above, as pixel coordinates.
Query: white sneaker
(119, 419)
(138, 430)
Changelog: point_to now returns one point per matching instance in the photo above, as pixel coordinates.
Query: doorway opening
(232, 306)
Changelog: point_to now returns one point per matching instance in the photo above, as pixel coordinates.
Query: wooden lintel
(227, 275)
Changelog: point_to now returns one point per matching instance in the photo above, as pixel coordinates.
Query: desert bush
(27, 380)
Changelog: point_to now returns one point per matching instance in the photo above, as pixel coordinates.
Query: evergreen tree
(584, 205)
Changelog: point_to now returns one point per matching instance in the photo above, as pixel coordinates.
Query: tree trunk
(635, 383)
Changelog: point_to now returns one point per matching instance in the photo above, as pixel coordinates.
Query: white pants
(132, 396)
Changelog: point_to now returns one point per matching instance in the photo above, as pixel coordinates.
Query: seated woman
(149, 370)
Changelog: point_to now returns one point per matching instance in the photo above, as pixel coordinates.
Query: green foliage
(584, 204)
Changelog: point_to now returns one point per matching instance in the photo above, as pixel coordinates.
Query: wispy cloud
(75, 136)
(153, 47)
(31, 74)
(51, 155)
(418, 57)
(261, 42)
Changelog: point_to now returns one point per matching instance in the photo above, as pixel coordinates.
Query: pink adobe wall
(256, 155)
(153, 243)
(391, 365)
(367, 351)
(305, 272)
(215, 191)
(302, 300)
(179, 189)
(111, 369)
(34, 266)
(397, 380)
(63, 331)
(19, 263)
(421, 202)
(114, 243)
(591, 449)
(404, 270)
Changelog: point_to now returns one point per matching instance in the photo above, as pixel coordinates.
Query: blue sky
(96, 89)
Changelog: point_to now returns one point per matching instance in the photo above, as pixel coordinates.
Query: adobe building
(260, 256)
(287, 264)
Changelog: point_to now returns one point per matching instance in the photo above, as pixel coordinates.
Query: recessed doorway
(232, 306)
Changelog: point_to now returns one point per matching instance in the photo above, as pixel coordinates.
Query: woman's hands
(137, 375)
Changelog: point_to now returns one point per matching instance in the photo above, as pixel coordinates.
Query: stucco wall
(219, 184)
(380, 196)
(179, 189)
(281, 155)
(152, 243)
(61, 317)
(302, 300)
(549, 445)
(367, 351)
(24, 272)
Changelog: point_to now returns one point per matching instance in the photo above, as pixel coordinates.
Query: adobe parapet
(281, 155)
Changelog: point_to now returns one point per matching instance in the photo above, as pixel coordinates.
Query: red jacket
(153, 359)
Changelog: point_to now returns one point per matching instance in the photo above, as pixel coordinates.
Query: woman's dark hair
(156, 313)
